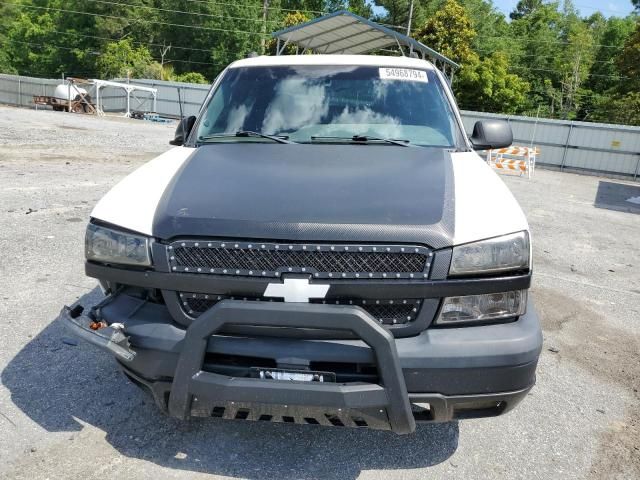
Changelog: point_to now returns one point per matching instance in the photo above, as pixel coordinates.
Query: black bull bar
(194, 388)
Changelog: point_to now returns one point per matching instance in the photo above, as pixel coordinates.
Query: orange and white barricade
(520, 160)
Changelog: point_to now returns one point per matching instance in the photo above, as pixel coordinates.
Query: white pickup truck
(322, 246)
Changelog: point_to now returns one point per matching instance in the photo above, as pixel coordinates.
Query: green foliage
(290, 20)
(623, 109)
(611, 40)
(359, 7)
(482, 84)
(449, 32)
(487, 85)
(628, 62)
(524, 8)
(547, 57)
(398, 12)
(621, 103)
(490, 25)
(535, 36)
(574, 61)
(31, 43)
(190, 77)
(123, 59)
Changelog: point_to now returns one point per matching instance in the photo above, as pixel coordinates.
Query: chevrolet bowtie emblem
(296, 290)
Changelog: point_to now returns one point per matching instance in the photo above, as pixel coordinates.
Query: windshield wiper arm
(367, 138)
(246, 133)
(394, 141)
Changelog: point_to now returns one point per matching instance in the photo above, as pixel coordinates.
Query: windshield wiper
(365, 139)
(246, 133)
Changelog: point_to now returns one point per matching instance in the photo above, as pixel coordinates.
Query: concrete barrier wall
(579, 146)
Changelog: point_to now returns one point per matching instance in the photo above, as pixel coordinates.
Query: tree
(621, 103)
(604, 69)
(628, 62)
(123, 59)
(524, 8)
(359, 7)
(190, 77)
(6, 61)
(290, 20)
(449, 32)
(574, 66)
(487, 85)
(483, 84)
(304, 6)
(35, 49)
(490, 25)
(397, 12)
(623, 109)
(535, 46)
(214, 33)
(574, 60)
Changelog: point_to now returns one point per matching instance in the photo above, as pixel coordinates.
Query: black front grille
(321, 261)
(387, 312)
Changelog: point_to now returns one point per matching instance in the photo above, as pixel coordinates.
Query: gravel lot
(67, 412)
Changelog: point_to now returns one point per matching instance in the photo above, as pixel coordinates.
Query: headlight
(482, 308)
(111, 246)
(500, 254)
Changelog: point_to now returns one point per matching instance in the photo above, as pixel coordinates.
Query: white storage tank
(62, 92)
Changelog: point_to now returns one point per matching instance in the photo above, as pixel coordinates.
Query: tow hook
(98, 332)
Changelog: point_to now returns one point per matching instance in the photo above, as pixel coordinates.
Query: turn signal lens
(482, 308)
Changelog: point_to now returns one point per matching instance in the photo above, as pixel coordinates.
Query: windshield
(310, 103)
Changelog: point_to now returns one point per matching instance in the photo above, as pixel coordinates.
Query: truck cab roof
(355, 60)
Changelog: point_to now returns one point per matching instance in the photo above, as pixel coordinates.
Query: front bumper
(458, 372)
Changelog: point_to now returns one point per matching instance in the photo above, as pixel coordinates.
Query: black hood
(351, 193)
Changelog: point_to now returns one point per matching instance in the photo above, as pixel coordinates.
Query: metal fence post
(566, 146)
(635, 174)
(19, 92)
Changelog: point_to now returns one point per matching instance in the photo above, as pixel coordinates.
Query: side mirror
(182, 130)
(490, 134)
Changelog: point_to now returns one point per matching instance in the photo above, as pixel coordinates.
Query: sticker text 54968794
(406, 74)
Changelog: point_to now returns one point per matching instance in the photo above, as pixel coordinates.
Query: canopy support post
(284, 45)
(399, 46)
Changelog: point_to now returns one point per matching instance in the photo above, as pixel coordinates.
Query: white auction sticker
(406, 74)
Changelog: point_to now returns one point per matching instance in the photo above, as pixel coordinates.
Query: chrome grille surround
(335, 261)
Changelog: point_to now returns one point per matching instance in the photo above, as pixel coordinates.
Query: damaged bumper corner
(110, 338)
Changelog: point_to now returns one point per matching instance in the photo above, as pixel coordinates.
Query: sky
(609, 8)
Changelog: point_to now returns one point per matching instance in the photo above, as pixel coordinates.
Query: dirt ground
(67, 412)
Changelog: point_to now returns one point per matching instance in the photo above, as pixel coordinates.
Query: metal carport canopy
(344, 32)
